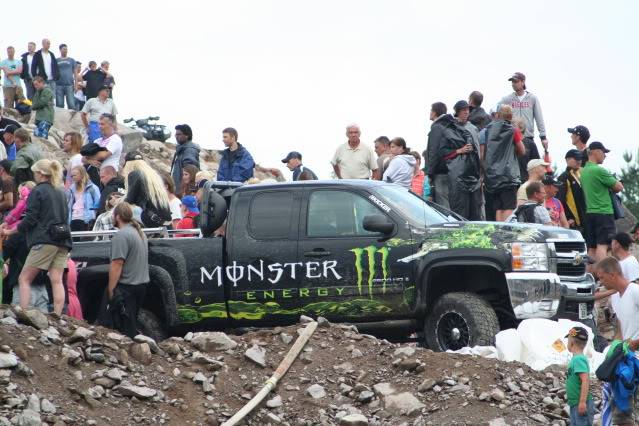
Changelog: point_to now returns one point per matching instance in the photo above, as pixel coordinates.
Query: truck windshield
(410, 205)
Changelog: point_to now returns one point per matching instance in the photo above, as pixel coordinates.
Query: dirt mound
(64, 371)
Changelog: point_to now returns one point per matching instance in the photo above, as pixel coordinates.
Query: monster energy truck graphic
(371, 251)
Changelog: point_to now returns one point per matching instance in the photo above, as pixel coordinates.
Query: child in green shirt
(582, 409)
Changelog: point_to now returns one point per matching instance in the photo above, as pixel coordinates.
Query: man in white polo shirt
(109, 140)
(353, 159)
(93, 110)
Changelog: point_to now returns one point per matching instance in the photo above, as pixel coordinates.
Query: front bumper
(545, 295)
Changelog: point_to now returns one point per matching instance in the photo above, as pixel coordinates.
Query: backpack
(526, 213)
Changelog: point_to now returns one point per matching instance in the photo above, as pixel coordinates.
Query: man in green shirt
(597, 183)
(582, 408)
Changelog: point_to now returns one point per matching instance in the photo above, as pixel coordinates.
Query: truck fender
(500, 260)
(173, 262)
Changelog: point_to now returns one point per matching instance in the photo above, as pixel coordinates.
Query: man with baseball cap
(579, 136)
(597, 183)
(552, 203)
(526, 106)
(293, 162)
(570, 193)
(536, 171)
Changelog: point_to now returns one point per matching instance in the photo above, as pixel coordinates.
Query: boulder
(402, 404)
(213, 341)
(141, 352)
(141, 392)
(8, 360)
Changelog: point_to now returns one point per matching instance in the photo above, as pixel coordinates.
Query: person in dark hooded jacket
(461, 154)
(435, 165)
(478, 116)
(501, 168)
(186, 153)
(236, 164)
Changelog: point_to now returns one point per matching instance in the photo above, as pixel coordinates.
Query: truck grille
(570, 246)
(570, 270)
(569, 259)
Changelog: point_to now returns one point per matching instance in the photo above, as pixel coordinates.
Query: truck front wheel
(458, 320)
(150, 325)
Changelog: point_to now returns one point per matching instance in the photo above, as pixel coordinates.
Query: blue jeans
(39, 297)
(51, 84)
(93, 132)
(30, 89)
(586, 419)
(64, 91)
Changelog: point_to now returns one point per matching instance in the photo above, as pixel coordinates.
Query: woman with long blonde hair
(47, 232)
(83, 199)
(145, 189)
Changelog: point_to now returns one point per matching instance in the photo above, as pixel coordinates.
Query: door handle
(317, 253)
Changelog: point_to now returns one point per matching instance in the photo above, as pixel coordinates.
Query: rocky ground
(63, 371)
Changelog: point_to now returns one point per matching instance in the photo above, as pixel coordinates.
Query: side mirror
(378, 223)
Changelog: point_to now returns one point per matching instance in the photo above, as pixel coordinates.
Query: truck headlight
(529, 256)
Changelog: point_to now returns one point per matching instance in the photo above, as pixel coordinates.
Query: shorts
(586, 419)
(600, 228)
(42, 129)
(46, 256)
(505, 199)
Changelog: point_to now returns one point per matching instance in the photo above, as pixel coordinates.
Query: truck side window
(271, 215)
(337, 214)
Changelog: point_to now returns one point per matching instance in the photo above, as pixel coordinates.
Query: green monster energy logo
(370, 252)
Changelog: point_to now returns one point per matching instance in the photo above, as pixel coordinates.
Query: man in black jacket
(27, 61)
(186, 153)
(435, 165)
(570, 193)
(46, 65)
(477, 116)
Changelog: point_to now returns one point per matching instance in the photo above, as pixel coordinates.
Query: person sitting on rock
(107, 150)
(28, 154)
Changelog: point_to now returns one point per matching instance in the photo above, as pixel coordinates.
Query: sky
(292, 74)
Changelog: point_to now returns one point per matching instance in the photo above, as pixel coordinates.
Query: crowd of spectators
(38, 80)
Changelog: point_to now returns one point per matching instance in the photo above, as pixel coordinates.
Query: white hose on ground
(277, 375)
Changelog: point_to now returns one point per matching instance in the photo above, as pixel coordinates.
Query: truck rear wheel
(150, 325)
(458, 320)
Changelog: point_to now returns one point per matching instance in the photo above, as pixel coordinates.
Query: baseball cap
(190, 202)
(581, 131)
(291, 155)
(578, 333)
(460, 105)
(550, 180)
(574, 153)
(536, 162)
(133, 156)
(598, 145)
(517, 76)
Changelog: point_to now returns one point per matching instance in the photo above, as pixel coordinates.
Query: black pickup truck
(362, 252)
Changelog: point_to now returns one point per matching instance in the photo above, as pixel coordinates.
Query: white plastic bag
(508, 345)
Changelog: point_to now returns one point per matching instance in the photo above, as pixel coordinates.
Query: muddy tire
(150, 325)
(458, 320)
